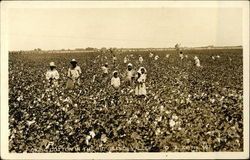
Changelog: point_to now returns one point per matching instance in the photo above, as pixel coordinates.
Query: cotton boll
(172, 123)
(92, 134)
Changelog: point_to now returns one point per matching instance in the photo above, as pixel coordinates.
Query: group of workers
(132, 77)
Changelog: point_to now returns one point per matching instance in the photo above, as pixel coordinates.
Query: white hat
(115, 72)
(52, 64)
(73, 60)
(130, 64)
(141, 69)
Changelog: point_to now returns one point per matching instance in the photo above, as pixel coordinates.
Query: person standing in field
(197, 61)
(105, 71)
(125, 60)
(52, 75)
(115, 83)
(74, 73)
(130, 74)
(181, 55)
(140, 89)
(177, 48)
(140, 59)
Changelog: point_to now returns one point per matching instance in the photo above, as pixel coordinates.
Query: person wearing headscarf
(140, 89)
(130, 74)
(52, 75)
(115, 80)
(74, 72)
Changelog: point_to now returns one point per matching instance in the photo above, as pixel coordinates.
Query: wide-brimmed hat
(73, 61)
(52, 64)
(115, 72)
(130, 64)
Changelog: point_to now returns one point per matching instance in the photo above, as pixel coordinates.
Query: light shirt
(130, 73)
(115, 82)
(74, 73)
(105, 69)
(140, 59)
(52, 74)
(142, 78)
(197, 62)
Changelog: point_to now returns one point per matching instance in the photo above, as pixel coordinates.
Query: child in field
(140, 89)
(52, 75)
(115, 81)
(74, 73)
(130, 73)
(197, 61)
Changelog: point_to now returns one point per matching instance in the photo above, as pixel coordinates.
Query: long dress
(141, 87)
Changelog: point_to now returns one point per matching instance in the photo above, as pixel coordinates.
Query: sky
(70, 28)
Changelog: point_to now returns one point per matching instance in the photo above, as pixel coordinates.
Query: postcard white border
(121, 4)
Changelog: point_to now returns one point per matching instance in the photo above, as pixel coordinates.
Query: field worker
(177, 48)
(156, 57)
(140, 89)
(115, 80)
(52, 75)
(74, 73)
(140, 59)
(130, 74)
(105, 70)
(167, 55)
(181, 55)
(197, 61)
(151, 54)
(114, 59)
(125, 60)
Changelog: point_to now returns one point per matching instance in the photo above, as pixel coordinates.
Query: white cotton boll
(92, 133)
(161, 108)
(174, 117)
(158, 131)
(172, 123)
(167, 112)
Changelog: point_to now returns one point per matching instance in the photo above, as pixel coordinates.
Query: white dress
(141, 87)
(53, 76)
(115, 82)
